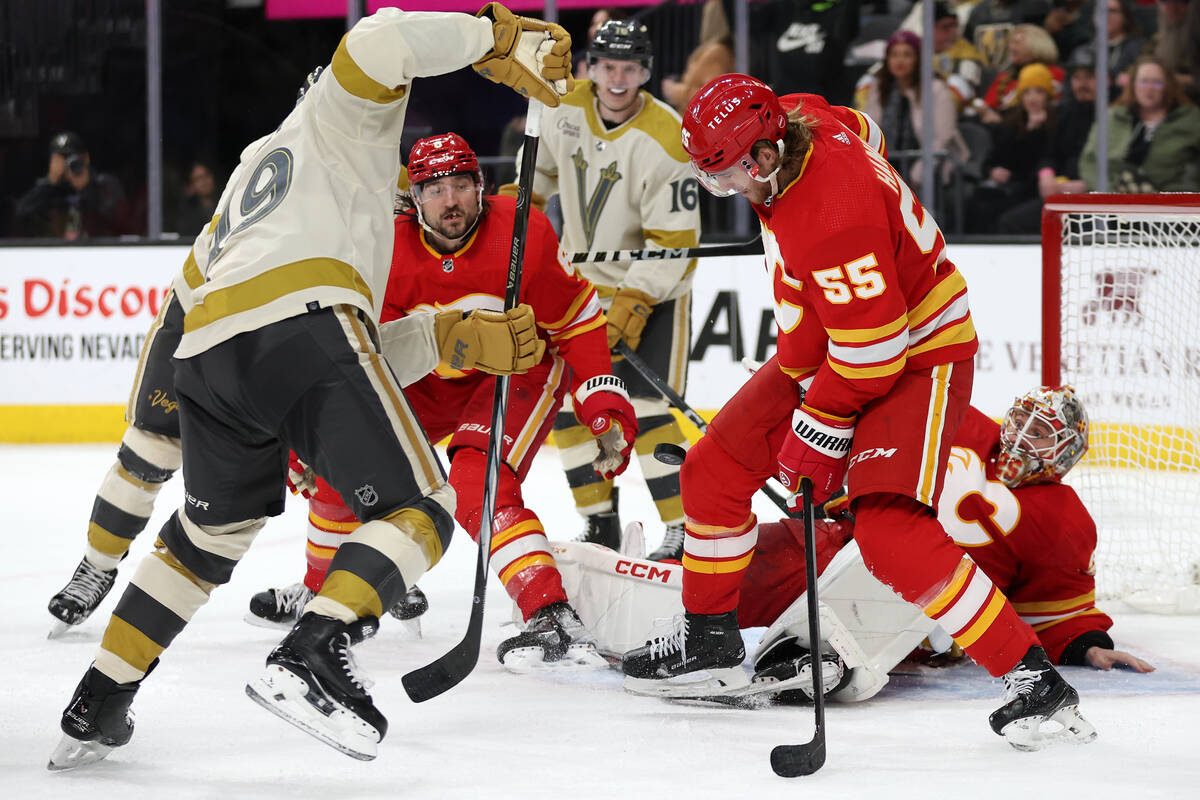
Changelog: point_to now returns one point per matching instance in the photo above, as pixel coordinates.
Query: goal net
(1121, 323)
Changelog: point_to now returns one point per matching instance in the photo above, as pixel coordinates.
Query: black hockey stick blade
(668, 453)
(427, 682)
(794, 760)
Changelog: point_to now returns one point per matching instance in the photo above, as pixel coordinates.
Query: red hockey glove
(817, 448)
(301, 479)
(602, 404)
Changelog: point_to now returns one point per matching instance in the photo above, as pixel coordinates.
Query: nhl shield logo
(447, 265)
(367, 495)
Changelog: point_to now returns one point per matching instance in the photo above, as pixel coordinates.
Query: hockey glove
(301, 479)
(602, 404)
(817, 448)
(627, 317)
(502, 343)
(529, 55)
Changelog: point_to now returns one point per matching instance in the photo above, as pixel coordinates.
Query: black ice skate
(784, 672)
(311, 681)
(671, 548)
(278, 608)
(1035, 693)
(702, 655)
(408, 610)
(554, 638)
(79, 598)
(97, 720)
(603, 528)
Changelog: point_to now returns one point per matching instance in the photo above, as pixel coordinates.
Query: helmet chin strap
(773, 178)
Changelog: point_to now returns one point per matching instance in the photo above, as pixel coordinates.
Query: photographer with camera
(72, 201)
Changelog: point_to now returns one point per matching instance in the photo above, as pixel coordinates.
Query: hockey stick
(672, 397)
(753, 247)
(445, 673)
(792, 760)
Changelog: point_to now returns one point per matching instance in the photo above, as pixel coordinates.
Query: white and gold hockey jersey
(624, 188)
(306, 219)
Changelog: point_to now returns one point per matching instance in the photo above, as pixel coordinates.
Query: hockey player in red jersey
(451, 252)
(870, 383)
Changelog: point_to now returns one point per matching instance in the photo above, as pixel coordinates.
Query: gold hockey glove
(502, 343)
(627, 317)
(530, 56)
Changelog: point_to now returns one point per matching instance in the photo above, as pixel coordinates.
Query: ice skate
(701, 655)
(1035, 694)
(409, 609)
(79, 598)
(97, 721)
(278, 608)
(603, 528)
(671, 548)
(554, 638)
(312, 682)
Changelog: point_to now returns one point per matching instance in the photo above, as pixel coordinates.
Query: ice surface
(501, 735)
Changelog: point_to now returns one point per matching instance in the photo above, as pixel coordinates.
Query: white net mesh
(1130, 345)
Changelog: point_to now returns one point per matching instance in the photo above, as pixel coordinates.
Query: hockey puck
(669, 453)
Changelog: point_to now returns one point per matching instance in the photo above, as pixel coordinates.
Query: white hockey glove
(530, 56)
(602, 404)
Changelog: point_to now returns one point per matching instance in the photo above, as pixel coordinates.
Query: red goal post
(1121, 323)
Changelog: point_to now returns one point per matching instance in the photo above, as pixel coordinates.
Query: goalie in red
(451, 252)
(870, 382)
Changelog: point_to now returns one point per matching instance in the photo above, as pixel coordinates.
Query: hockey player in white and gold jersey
(612, 154)
(281, 297)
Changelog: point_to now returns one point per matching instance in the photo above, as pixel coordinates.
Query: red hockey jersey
(863, 289)
(475, 276)
(1037, 543)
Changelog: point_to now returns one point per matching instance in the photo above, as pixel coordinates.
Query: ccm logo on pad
(644, 571)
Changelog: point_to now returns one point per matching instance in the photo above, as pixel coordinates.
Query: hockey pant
(315, 383)
(664, 347)
(150, 452)
(897, 464)
(461, 408)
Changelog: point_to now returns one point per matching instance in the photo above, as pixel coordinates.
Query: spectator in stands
(1173, 45)
(713, 57)
(198, 202)
(1153, 135)
(1021, 143)
(991, 22)
(1070, 24)
(1028, 44)
(955, 60)
(803, 45)
(894, 101)
(1125, 41)
(1058, 172)
(72, 201)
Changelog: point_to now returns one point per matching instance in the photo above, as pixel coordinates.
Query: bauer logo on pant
(367, 495)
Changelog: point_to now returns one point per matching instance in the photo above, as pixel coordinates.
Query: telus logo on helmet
(725, 109)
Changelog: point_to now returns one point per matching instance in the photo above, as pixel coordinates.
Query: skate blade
(283, 694)
(1027, 734)
(58, 628)
(259, 622)
(692, 685)
(524, 660)
(411, 627)
(72, 753)
(758, 694)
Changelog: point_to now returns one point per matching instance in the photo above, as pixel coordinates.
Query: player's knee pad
(150, 457)
(468, 468)
(210, 552)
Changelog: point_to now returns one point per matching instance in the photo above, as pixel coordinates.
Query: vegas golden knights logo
(591, 207)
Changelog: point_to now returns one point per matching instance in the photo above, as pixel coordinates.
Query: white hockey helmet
(1043, 435)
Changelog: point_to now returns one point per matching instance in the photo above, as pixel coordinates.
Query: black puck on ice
(669, 453)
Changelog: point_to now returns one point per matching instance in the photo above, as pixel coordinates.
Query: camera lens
(75, 164)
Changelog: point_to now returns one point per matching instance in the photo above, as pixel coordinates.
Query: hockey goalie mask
(721, 125)
(441, 156)
(1043, 435)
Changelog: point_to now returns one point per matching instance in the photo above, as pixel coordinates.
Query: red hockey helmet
(441, 155)
(721, 124)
